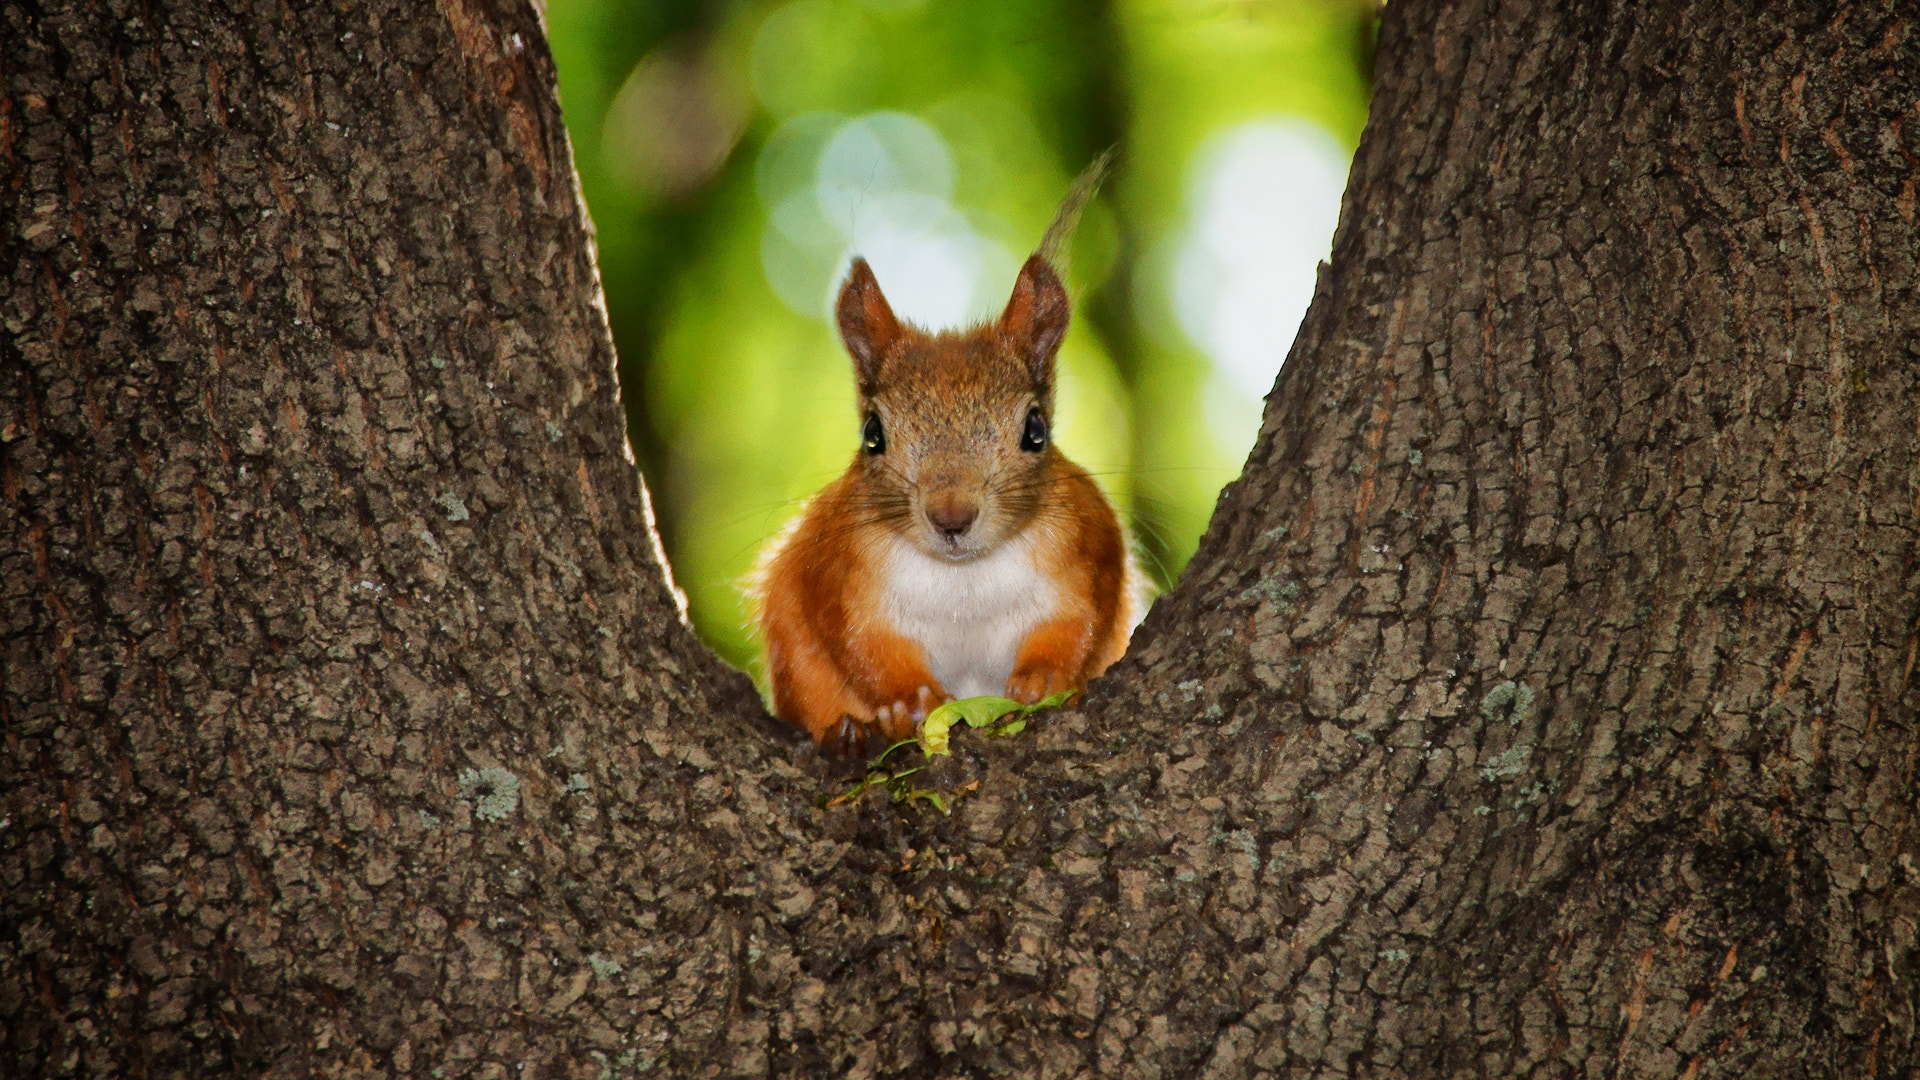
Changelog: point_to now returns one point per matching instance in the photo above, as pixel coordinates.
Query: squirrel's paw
(898, 720)
(846, 737)
(1028, 685)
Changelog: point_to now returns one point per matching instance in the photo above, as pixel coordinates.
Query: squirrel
(961, 553)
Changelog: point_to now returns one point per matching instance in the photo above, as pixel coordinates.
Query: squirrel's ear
(866, 322)
(1035, 321)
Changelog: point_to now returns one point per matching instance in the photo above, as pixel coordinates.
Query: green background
(698, 129)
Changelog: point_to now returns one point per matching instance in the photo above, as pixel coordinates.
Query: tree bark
(1540, 701)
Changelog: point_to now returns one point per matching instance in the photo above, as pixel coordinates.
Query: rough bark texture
(1540, 701)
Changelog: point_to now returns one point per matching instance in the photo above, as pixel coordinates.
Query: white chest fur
(969, 617)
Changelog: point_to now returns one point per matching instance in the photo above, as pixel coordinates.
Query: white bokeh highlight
(1264, 199)
(878, 186)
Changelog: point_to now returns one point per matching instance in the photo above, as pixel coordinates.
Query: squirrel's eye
(1034, 439)
(873, 438)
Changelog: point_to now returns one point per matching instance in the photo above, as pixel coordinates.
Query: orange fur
(1091, 628)
(956, 513)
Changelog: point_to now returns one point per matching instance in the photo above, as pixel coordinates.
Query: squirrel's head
(956, 428)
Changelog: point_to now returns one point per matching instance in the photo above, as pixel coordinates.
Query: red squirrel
(960, 553)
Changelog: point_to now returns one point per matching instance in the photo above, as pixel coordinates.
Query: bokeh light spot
(881, 153)
(1264, 198)
(878, 186)
(671, 126)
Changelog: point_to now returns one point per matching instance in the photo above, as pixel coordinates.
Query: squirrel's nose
(951, 518)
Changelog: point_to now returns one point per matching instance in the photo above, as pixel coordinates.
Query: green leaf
(933, 732)
(936, 729)
(981, 711)
(906, 796)
(1051, 701)
(999, 716)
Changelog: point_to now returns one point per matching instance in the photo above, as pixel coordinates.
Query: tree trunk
(1540, 701)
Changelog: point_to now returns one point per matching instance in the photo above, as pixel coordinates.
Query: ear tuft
(866, 322)
(1035, 321)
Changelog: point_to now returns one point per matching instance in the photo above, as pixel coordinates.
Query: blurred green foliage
(734, 154)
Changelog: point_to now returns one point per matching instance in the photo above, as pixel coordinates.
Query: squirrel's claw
(1027, 687)
(899, 720)
(924, 701)
(845, 738)
(929, 701)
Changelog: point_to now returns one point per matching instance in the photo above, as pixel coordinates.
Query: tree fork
(1540, 700)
